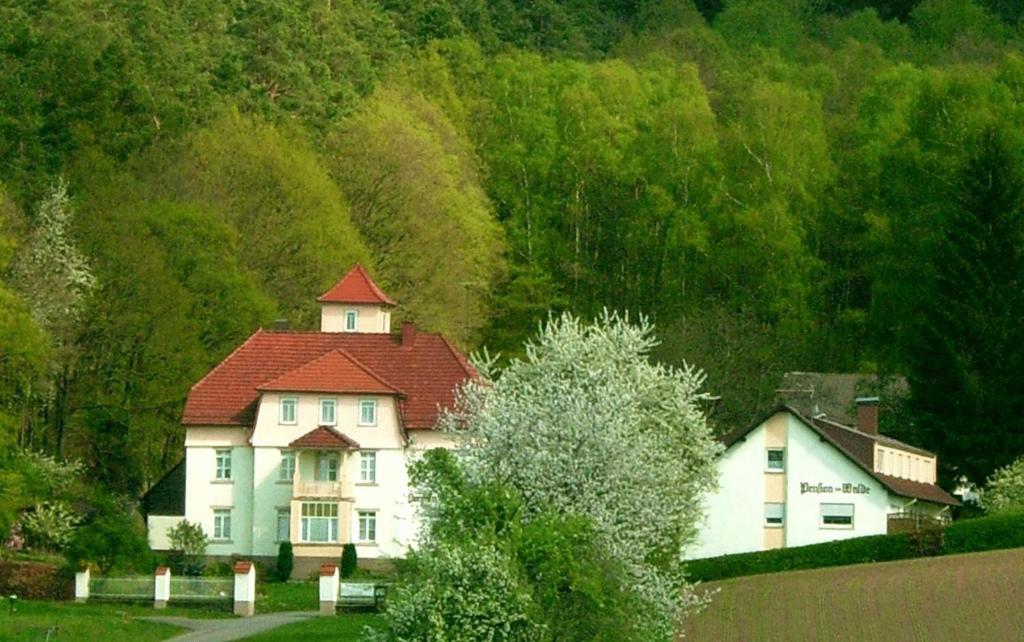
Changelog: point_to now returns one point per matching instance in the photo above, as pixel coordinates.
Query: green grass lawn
(88, 622)
(957, 597)
(344, 627)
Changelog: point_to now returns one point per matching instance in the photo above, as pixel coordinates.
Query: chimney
(281, 325)
(867, 415)
(408, 334)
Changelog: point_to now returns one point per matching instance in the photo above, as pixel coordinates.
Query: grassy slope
(88, 622)
(959, 597)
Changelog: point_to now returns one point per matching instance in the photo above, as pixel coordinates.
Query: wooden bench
(362, 594)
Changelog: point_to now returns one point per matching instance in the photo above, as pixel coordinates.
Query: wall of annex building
(204, 493)
(734, 514)
(817, 473)
(370, 318)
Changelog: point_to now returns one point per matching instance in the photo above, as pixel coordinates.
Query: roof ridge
(344, 353)
(332, 295)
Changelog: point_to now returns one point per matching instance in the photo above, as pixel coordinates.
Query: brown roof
(356, 287)
(428, 372)
(859, 448)
(325, 437)
(337, 371)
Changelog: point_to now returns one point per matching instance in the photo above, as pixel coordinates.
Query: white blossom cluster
(585, 424)
(1004, 491)
(53, 274)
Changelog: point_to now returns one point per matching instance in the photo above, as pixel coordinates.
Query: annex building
(305, 436)
(793, 480)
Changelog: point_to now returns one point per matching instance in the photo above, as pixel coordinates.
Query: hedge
(36, 580)
(980, 534)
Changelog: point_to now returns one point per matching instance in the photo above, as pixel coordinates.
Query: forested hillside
(780, 185)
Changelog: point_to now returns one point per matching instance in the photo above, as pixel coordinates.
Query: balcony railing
(318, 489)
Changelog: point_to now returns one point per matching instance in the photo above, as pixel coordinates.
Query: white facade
(812, 493)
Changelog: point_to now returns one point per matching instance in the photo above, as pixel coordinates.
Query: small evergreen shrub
(349, 560)
(285, 562)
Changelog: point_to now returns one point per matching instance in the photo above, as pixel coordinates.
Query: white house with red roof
(305, 436)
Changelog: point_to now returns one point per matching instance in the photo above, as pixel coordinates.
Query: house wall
(735, 522)
(372, 318)
(157, 527)
(812, 461)
(204, 493)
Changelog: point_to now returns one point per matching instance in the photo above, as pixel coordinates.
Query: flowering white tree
(55, 278)
(586, 425)
(1004, 492)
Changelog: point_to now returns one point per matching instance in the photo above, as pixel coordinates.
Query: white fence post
(328, 589)
(161, 587)
(245, 588)
(82, 585)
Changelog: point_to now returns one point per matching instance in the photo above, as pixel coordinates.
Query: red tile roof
(325, 437)
(356, 287)
(337, 371)
(428, 372)
(858, 448)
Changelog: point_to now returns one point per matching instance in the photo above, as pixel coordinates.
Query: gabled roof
(858, 448)
(356, 287)
(167, 496)
(428, 372)
(336, 371)
(325, 437)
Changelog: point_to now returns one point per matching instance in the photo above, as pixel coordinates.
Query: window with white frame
(351, 319)
(837, 515)
(286, 472)
(284, 524)
(367, 412)
(328, 412)
(775, 460)
(368, 467)
(327, 467)
(881, 460)
(367, 525)
(319, 522)
(222, 524)
(288, 405)
(223, 464)
(774, 514)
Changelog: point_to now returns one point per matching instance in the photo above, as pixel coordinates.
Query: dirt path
(222, 630)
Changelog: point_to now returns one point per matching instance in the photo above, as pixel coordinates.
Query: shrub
(465, 591)
(114, 539)
(1004, 491)
(969, 535)
(985, 533)
(876, 548)
(35, 581)
(285, 562)
(189, 543)
(50, 526)
(349, 560)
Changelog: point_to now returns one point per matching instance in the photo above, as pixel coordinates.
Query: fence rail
(202, 589)
(121, 588)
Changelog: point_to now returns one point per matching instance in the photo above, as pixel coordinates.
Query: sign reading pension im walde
(854, 489)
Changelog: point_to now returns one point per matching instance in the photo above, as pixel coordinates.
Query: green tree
(416, 197)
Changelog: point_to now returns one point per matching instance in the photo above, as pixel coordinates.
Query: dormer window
(367, 412)
(328, 412)
(288, 410)
(351, 320)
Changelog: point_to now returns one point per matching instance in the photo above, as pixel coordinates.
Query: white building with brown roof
(305, 436)
(793, 480)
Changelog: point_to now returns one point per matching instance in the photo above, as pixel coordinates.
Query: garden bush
(970, 535)
(984, 533)
(285, 562)
(35, 581)
(349, 560)
(112, 538)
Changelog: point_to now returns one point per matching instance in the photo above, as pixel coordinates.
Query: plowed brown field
(979, 596)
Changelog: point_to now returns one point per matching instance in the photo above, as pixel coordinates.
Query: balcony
(327, 489)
